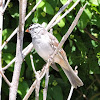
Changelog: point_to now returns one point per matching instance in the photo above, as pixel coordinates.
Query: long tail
(61, 59)
(73, 78)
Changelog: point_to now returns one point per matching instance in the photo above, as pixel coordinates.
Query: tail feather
(73, 78)
(61, 59)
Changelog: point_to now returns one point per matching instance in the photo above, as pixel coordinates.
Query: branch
(5, 6)
(46, 85)
(5, 78)
(41, 75)
(59, 12)
(81, 94)
(25, 52)
(16, 30)
(91, 36)
(1, 28)
(30, 91)
(32, 10)
(70, 94)
(37, 87)
(72, 88)
(58, 20)
(19, 56)
(31, 57)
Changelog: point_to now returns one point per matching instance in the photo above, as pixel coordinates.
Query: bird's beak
(27, 30)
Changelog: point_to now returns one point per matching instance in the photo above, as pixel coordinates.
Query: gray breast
(42, 46)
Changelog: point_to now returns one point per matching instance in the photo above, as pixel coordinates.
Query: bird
(45, 44)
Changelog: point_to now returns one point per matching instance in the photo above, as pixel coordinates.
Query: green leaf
(94, 43)
(54, 3)
(56, 93)
(62, 22)
(28, 61)
(41, 4)
(94, 67)
(22, 88)
(94, 2)
(42, 19)
(7, 57)
(57, 35)
(88, 12)
(14, 11)
(10, 48)
(95, 9)
(96, 20)
(47, 8)
(84, 19)
(35, 20)
(63, 1)
(22, 69)
(6, 33)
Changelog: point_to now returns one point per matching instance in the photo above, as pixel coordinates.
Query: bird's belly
(43, 49)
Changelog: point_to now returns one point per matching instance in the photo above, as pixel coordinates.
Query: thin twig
(97, 78)
(25, 52)
(81, 94)
(58, 20)
(94, 96)
(5, 78)
(91, 36)
(30, 91)
(37, 88)
(72, 88)
(59, 12)
(46, 85)
(16, 30)
(70, 94)
(41, 75)
(31, 57)
(1, 28)
(5, 6)
(28, 15)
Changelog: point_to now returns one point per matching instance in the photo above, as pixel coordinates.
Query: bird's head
(34, 28)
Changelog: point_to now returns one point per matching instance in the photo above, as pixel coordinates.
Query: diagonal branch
(70, 9)
(91, 36)
(5, 6)
(25, 52)
(5, 78)
(16, 30)
(59, 12)
(46, 85)
(72, 88)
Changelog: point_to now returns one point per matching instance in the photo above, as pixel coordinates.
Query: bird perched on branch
(45, 44)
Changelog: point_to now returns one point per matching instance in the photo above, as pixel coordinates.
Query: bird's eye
(30, 29)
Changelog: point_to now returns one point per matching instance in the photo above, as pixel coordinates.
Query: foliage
(82, 49)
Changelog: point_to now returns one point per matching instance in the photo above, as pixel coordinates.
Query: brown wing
(54, 42)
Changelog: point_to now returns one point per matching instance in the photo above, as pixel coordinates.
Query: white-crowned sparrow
(45, 43)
